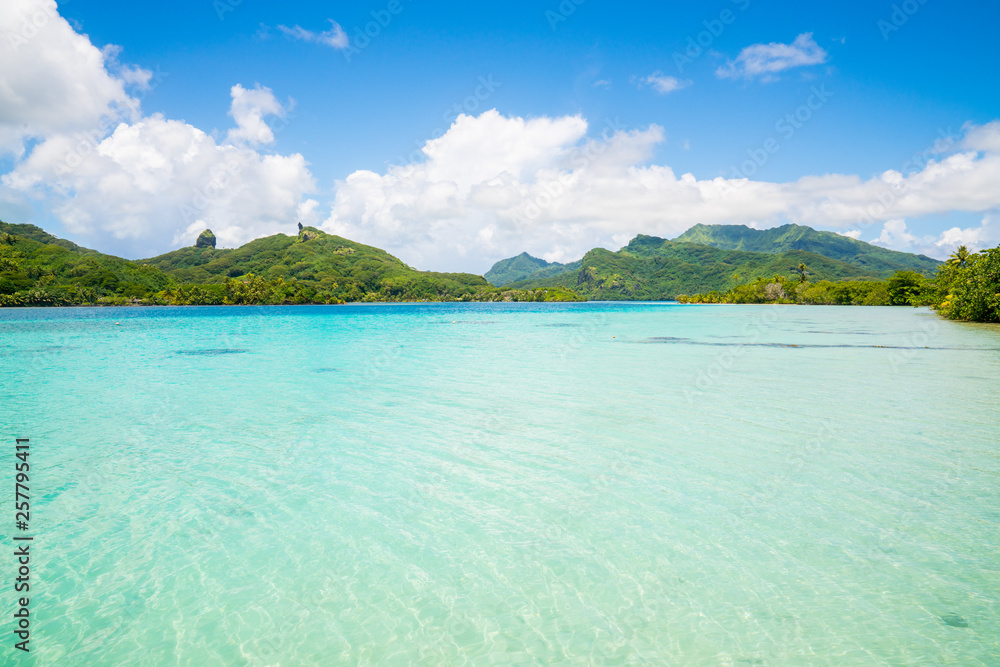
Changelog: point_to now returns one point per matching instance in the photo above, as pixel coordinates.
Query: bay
(598, 483)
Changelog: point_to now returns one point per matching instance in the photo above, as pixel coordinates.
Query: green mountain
(38, 234)
(878, 262)
(37, 268)
(655, 269)
(335, 267)
(511, 270)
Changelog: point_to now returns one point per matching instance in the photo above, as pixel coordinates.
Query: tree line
(965, 287)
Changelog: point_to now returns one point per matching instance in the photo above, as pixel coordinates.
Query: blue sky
(885, 80)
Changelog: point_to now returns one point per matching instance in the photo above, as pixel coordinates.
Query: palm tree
(960, 257)
(801, 270)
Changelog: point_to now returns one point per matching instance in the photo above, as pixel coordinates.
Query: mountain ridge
(656, 269)
(39, 269)
(714, 257)
(800, 237)
(511, 270)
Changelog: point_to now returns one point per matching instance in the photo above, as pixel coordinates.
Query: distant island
(706, 264)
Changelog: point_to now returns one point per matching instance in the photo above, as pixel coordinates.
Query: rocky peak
(205, 240)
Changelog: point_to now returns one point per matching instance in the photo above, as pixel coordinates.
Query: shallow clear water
(443, 484)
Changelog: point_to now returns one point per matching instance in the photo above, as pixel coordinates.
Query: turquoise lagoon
(451, 484)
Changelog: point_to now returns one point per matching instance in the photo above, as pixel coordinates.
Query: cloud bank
(494, 186)
(52, 79)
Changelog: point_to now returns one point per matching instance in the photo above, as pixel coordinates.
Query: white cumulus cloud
(153, 185)
(896, 236)
(53, 79)
(249, 109)
(494, 186)
(982, 137)
(117, 180)
(765, 61)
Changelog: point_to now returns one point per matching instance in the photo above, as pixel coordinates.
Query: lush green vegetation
(904, 288)
(966, 287)
(709, 257)
(37, 269)
(877, 262)
(969, 286)
(508, 271)
(251, 289)
(321, 267)
(651, 268)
